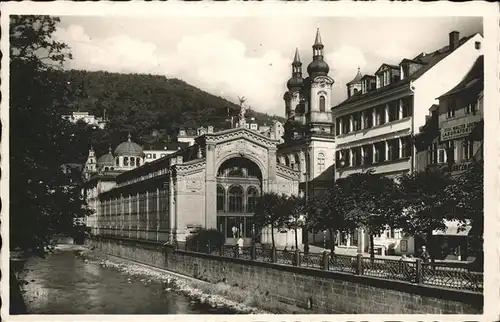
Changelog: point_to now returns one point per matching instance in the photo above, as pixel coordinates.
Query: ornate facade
(213, 183)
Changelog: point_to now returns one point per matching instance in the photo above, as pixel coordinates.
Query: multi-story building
(376, 123)
(451, 139)
(87, 118)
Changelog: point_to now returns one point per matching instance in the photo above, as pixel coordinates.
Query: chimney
(454, 38)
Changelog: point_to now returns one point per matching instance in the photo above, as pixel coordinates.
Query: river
(64, 283)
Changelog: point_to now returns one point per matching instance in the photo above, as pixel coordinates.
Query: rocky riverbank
(215, 295)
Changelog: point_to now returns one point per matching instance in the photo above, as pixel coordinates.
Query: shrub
(200, 241)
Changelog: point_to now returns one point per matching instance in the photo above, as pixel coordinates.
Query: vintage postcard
(270, 161)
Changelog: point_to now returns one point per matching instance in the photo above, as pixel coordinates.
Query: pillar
(341, 122)
(362, 119)
(147, 214)
(210, 211)
(349, 151)
(362, 161)
(351, 120)
(158, 213)
(129, 216)
(374, 116)
(386, 111)
(122, 210)
(302, 166)
(137, 226)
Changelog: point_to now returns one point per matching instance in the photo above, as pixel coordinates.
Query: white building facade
(376, 124)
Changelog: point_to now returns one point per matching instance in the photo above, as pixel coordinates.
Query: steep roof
(474, 78)
(427, 60)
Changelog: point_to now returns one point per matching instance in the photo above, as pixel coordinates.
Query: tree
(41, 202)
(426, 203)
(466, 195)
(295, 207)
(374, 203)
(269, 211)
(332, 211)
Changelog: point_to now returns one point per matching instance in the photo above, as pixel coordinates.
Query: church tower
(90, 164)
(319, 114)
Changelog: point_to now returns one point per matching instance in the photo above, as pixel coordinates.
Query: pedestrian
(424, 255)
(240, 246)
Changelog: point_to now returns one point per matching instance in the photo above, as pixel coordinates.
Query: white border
(490, 13)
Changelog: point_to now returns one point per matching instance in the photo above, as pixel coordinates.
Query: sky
(251, 56)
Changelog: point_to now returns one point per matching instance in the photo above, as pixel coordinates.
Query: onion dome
(356, 79)
(106, 160)
(296, 81)
(318, 67)
(129, 148)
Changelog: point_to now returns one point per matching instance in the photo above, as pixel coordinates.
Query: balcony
(375, 131)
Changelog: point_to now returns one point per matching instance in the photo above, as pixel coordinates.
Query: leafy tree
(426, 203)
(41, 202)
(373, 203)
(295, 207)
(466, 194)
(270, 210)
(332, 211)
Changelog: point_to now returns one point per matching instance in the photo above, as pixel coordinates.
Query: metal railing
(444, 275)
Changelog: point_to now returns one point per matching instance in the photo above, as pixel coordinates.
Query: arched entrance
(239, 184)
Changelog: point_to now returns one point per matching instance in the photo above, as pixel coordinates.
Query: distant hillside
(142, 104)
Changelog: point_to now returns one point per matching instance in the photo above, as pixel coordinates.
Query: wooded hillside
(150, 107)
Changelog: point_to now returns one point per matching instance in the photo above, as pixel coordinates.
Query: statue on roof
(243, 110)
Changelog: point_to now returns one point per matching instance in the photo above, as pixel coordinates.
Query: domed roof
(356, 79)
(129, 148)
(318, 67)
(295, 82)
(107, 159)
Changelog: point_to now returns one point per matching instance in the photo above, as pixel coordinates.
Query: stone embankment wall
(327, 291)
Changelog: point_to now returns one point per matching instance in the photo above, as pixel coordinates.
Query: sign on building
(454, 131)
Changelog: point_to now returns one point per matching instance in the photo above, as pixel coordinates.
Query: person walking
(424, 255)
(240, 246)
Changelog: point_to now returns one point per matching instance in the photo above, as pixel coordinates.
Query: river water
(64, 283)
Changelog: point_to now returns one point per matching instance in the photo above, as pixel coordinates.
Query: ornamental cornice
(289, 172)
(233, 134)
(191, 166)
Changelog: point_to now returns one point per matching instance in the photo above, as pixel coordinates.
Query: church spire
(296, 59)
(317, 41)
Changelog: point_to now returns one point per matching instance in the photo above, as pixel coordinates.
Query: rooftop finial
(129, 137)
(317, 41)
(296, 59)
(109, 149)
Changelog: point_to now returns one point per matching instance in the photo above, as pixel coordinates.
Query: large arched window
(125, 161)
(321, 162)
(132, 161)
(287, 161)
(322, 103)
(221, 198)
(235, 199)
(252, 195)
(138, 162)
(117, 161)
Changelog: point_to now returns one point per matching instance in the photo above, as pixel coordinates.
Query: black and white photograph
(257, 162)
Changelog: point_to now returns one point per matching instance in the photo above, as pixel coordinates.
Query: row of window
(126, 161)
(449, 152)
(136, 211)
(375, 116)
(236, 200)
(389, 150)
(469, 108)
